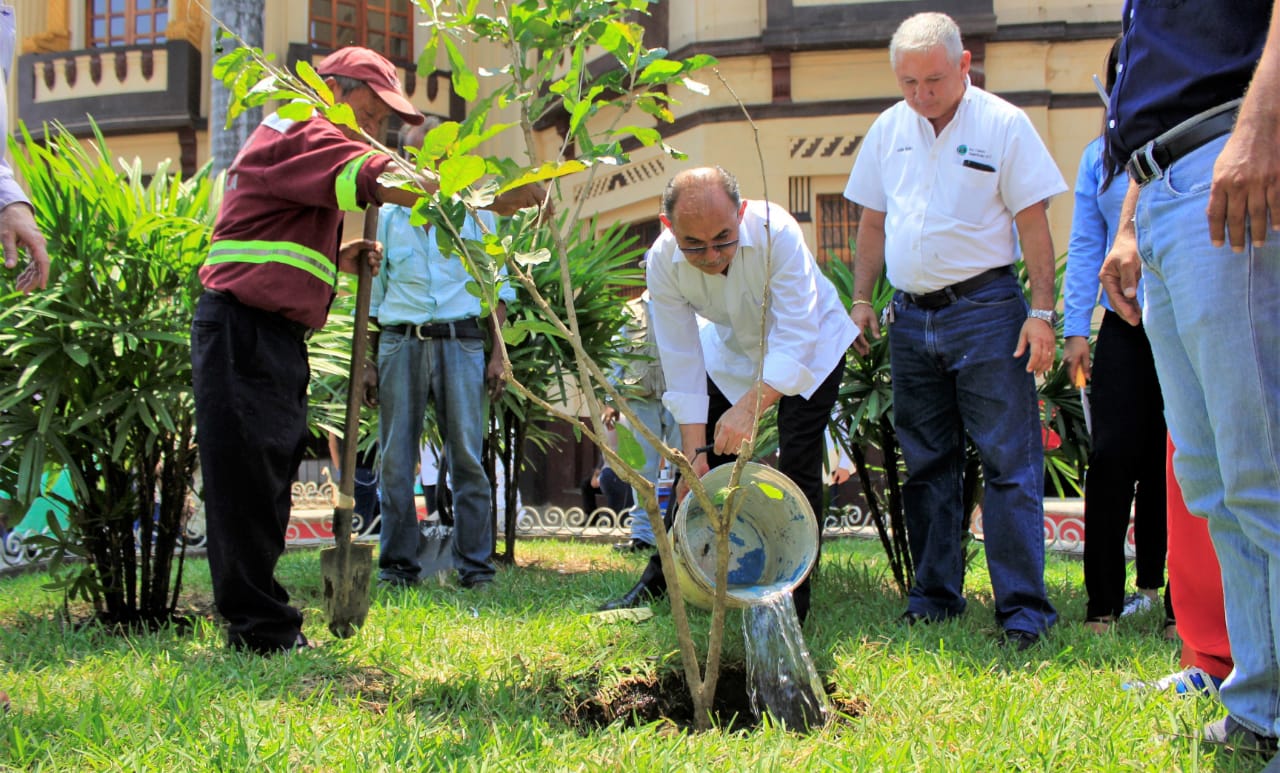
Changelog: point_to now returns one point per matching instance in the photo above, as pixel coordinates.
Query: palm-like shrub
(97, 375)
(601, 267)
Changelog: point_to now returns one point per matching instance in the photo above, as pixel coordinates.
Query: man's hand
(18, 229)
(369, 384)
(864, 316)
(531, 195)
(495, 381)
(1075, 355)
(1120, 273)
(350, 252)
(610, 415)
(734, 428)
(839, 475)
(1246, 181)
(1037, 338)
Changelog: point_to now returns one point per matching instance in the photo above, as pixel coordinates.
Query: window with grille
(386, 26)
(837, 225)
(125, 22)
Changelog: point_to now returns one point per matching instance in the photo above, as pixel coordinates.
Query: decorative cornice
(631, 174)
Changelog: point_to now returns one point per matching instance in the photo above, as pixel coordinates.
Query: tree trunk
(244, 18)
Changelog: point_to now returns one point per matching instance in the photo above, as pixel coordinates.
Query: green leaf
(437, 142)
(465, 83)
(629, 448)
(313, 79)
(342, 115)
(77, 354)
(644, 134)
(660, 71)
(548, 171)
(771, 491)
(296, 111)
(460, 172)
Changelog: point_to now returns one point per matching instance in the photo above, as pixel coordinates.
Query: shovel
(347, 567)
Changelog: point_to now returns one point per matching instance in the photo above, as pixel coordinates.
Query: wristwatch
(1048, 315)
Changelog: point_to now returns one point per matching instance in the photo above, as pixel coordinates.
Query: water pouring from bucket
(773, 545)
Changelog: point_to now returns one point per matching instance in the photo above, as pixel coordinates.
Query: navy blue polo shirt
(1178, 58)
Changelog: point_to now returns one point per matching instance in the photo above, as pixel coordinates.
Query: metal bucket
(773, 540)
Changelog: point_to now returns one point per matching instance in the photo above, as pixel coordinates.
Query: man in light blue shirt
(431, 348)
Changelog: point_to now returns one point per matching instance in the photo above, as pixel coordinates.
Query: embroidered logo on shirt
(962, 149)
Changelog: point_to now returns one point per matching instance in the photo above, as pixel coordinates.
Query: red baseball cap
(375, 71)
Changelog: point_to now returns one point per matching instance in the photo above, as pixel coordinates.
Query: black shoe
(909, 618)
(638, 596)
(634, 546)
(1019, 640)
(259, 647)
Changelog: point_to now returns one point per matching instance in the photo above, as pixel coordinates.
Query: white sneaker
(1189, 681)
(1137, 603)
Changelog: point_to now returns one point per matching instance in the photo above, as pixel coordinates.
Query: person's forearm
(498, 318)
(759, 398)
(692, 436)
(1037, 254)
(1262, 100)
(868, 260)
(1127, 228)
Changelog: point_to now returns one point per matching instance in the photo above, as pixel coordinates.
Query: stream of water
(781, 678)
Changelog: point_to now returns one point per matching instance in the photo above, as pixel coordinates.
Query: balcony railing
(133, 89)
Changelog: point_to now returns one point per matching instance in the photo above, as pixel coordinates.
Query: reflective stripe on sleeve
(288, 253)
(345, 186)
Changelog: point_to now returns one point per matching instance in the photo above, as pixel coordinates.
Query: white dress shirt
(950, 199)
(806, 329)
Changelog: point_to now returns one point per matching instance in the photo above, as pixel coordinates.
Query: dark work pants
(249, 368)
(801, 445)
(1126, 468)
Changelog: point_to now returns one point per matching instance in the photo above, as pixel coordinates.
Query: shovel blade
(347, 574)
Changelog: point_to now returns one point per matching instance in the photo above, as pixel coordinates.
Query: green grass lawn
(442, 678)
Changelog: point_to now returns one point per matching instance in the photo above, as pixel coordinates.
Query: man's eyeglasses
(696, 251)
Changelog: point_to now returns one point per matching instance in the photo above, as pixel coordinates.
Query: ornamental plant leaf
(312, 78)
(459, 172)
(465, 83)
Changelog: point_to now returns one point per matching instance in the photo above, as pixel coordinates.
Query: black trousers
(250, 372)
(801, 444)
(1126, 468)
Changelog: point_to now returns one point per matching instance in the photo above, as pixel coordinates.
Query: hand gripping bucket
(773, 540)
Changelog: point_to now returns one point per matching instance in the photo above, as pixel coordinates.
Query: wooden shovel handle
(359, 350)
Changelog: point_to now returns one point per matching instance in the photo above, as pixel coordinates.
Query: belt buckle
(1142, 164)
(417, 332)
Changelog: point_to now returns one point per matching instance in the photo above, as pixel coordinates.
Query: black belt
(296, 329)
(462, 328)
(949, 295)
(1149, 161)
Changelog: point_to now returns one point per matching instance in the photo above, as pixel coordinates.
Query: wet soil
(643, 700)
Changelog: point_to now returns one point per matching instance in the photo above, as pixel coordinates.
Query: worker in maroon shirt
(269, 280)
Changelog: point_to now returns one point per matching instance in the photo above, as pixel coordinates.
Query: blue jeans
(658, 419)
(953, 374)
(1213, 317)
(449, 373)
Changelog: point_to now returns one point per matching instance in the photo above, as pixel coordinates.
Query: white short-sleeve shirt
(805, 332)
(950, 199)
